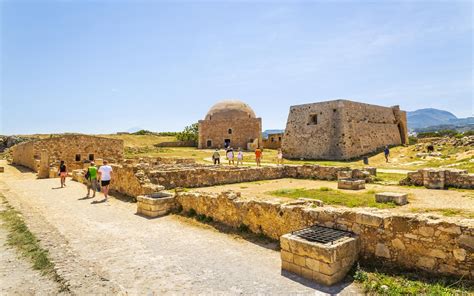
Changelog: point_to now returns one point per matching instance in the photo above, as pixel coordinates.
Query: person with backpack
(91, 179)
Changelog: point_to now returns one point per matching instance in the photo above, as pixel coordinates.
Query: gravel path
(107, 249)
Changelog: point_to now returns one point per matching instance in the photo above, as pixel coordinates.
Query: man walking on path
(91, 177)
(386, 152)
(105, 176)
(216, 157)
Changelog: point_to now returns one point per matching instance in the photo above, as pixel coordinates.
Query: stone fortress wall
(342, 129)
(430, 243)
(73, 149)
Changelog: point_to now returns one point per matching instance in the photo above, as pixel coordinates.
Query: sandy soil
(419, 198)
(107, 249)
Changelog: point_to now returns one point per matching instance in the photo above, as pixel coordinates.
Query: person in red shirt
(258, 155)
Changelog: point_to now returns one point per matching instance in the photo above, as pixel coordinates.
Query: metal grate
(321, 234)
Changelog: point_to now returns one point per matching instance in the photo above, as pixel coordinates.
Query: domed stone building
(230, 123)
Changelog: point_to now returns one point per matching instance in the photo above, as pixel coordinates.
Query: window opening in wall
(91, 157)
(209, 143)
(230, 131)
(78, 157)
(313, 119)
(273, 139)
(279, 139)
(250, 140)
(226, 143)
(334, 110)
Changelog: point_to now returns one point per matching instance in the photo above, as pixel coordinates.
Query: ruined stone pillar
(43, 171)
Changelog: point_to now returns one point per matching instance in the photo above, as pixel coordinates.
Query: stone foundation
(397, 198)
(440, 178)
(351, 184)
(155, 205)
(132, 176)
(326, 264)
(430, 243)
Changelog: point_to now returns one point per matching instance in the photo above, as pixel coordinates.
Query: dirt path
(16, 275)
(108, 249)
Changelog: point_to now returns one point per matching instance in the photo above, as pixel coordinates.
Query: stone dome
(230, 109)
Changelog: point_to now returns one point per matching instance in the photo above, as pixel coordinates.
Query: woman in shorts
(230, 156)
(62, 172)
(240, 157)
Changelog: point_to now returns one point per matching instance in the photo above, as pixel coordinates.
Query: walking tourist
(62, 173)
(91, 177)
(240, 157)
(386, 152)
(258, 156)
(230, 155)
(216, 157)
(279, 157)
(105, 176)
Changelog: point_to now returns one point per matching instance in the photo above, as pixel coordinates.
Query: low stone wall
(440, 178)
(177, 144)
(412, 241)
(201, 176)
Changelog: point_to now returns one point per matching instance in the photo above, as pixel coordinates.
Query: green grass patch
(389, 178)
(20, 238)
(27, 245)
(376, 282)
(334, 197)
(448, 212)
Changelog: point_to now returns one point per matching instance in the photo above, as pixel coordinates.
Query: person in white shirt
(105, 176)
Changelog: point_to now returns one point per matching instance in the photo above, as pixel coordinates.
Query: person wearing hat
(91, 177)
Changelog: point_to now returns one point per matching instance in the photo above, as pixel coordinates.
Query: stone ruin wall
(65, 148)
(411, 241)
(134, 178)
(344, 130)
(201, 176)
(440, 178)
(243, 130)
(24, 154)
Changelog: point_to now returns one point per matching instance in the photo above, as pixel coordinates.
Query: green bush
(190, 133)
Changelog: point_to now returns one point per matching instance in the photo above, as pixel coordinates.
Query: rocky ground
(107, 249)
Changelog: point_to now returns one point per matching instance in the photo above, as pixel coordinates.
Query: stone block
(325, 263)
(350, 184)
(396, 198)
(157, 204)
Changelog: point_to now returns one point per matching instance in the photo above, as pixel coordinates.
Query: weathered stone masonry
(412, 241)
(342, 129)
(440, 178)
(73, 149)
(130, 177)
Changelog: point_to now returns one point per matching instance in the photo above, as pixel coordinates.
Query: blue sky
(108, 66)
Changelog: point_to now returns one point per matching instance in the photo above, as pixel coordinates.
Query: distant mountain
(272, 131)
(424, 118)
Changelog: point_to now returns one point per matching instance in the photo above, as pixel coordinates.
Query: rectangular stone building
(341, 130)
(38, 155)
(273, 141)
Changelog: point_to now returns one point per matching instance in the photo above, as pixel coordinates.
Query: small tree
(190, 133)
